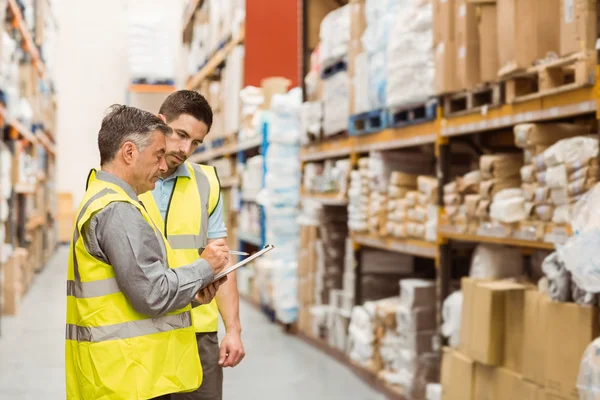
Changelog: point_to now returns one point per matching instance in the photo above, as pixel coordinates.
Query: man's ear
(163, 118)
(128, 152)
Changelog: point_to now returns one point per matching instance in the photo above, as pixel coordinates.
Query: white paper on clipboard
(245, 261)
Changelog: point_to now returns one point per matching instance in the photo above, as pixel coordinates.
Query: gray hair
(127, 124)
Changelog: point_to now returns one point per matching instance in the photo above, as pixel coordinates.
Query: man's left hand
(232, 350)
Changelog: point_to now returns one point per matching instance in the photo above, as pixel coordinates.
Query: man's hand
(217, 255)
(205, 295)
(232, 350)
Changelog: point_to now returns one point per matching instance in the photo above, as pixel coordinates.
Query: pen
(232, 252)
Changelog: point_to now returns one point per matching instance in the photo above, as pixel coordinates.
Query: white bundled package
(336, 105)
(312, 120)
(150, 51)
(232, 85)
(410, 61)
(571, 151)
(496, 262)
(451, 315)
(508, 206)
(361, 84)
(335, 36)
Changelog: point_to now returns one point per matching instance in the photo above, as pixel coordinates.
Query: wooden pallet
(368, 122)
(558, 76)
(475, 100)
(413, 114)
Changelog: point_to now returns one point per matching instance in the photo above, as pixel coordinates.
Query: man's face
(150, 164)
(188, 134)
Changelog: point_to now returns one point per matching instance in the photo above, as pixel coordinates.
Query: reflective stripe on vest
(113, 351)
(192, 201)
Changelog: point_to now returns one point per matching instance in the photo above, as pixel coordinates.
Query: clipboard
(245, 261)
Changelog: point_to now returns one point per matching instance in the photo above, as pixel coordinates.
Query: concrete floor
(277, 366)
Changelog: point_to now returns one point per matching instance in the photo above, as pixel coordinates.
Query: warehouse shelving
(250, 238)
(229, 181)
(328, 199)
(29, 44)
(215, 61)
(418, 248)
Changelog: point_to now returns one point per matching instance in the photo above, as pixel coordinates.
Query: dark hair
(123, 123)
(187, 102)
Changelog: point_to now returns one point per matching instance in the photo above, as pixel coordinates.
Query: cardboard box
(65, 203)
(512, 386)
(445, 67)
(467, 45)
(485, 382)
(570, 328)
(66, 224)
(488, 42)
(488, 315)
(468, 290)
(458, 372)
(514, 330)
(577, 26)
(443, 20)
(527, 30)
(12, 286)
(358, 22)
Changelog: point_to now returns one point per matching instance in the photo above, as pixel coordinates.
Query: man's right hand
(217, 255)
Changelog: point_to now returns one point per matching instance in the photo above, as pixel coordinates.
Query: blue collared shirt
(162, 193)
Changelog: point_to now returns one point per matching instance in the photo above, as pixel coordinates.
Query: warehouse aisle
(277, 366)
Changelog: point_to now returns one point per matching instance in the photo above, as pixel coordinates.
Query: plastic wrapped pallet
(451, 315)
(417, 293)
(336, 103)
(335, 36)
(412, 35)
(312, 120)
(232, 82)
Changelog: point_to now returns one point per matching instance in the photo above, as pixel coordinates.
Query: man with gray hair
(129, 331)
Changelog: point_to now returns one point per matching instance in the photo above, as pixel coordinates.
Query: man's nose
(162, 165)
(185, 147)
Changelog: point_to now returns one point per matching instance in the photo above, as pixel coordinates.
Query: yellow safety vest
(113, 351)
(186, 226)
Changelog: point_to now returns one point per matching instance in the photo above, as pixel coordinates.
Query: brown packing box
(66, 224)
(466, 329)
(12, 286)
(570, 328)
(445, 67)
(467, 45)
(458, 372)
(527, 31)
(514, 330)
(488, 42)
(577, 26)
(488, 321)
(443, 20)
(512, 386)
(485, 382)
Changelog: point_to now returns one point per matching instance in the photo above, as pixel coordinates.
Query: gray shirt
(120, 236)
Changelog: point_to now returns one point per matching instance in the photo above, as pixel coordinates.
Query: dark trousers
(212, 380)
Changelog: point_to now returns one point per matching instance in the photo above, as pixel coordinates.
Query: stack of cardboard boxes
(65, 217)
(516, 344)
(477, 41)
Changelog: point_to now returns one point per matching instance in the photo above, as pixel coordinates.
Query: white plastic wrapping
(335, 36)
(451, 315)
(571, 151)
(559, 278)
(150, 51)
(312, 120)
(410, 61)
(588, 380)
(336, 105)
